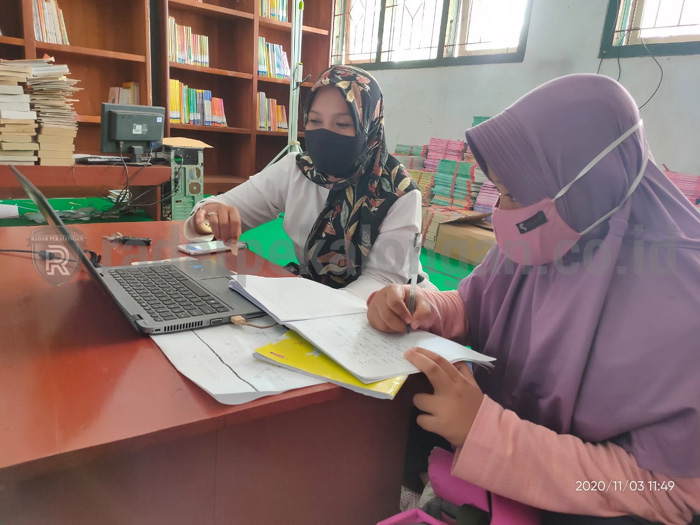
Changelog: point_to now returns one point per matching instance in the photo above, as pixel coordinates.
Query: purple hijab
(604, 345)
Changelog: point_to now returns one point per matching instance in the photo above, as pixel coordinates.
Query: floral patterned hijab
(349, 223)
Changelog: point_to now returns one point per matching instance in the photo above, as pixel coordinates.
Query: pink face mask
(537, 234)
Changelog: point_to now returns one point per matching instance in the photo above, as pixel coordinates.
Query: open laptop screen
(52, 218)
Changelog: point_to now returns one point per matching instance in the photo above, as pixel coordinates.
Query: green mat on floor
(60, 204)
(271, 241)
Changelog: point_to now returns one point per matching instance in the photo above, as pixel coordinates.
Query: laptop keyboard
(166, 293)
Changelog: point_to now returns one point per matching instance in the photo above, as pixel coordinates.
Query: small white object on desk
(9, 211)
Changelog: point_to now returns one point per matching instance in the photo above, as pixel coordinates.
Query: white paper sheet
(293, 299)
(371, 355)
(220, 361)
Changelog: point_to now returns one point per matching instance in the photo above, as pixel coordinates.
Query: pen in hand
(411, 302)
(413, 270)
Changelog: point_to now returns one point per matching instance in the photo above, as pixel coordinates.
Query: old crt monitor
(131, 130)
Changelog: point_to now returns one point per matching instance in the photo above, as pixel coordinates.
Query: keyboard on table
(166, 293)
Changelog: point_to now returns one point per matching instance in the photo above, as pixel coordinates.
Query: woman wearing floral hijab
(590, 303)
(350, 208)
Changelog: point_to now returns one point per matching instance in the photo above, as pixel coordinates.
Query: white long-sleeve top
(282, 187)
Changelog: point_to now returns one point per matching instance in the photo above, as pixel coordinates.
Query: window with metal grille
(423, 33)
(655, 27)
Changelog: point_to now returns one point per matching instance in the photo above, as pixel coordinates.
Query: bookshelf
(109, 45)
(233, 28)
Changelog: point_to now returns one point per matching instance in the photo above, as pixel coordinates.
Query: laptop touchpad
(219, 287)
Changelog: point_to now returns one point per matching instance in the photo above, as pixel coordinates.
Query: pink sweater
(536, 466)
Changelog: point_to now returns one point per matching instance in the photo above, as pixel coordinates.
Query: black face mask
(333, 154)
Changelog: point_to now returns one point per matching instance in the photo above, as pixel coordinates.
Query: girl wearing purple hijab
(590, 303)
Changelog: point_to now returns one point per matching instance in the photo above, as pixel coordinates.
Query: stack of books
(275, 9)
(186, 47)
(432, 218)
(51, 93)
(452, 187)
(487, 198)
(128, 94)
(49, 25)
(272, 60)
(271, 116)
(407, 149)
(411, 162)
(478, 180)
(439, 149)
(195, 106)
(688, 184)
(424, 181)
(17, 121)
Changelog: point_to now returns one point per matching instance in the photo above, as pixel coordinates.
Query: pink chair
(503, 511)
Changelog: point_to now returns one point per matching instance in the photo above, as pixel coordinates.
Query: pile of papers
(327, 338)
(424, 180)
(443, 149)
(453, 184)
(51, 93)
(17, 121)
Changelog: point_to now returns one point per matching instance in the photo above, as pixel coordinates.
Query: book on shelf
(275, 10)
(335, 322)
(18, 146)
(128, 94)
(295, 353)
(49, 23)
(271, 116)
(186, 47)
(272, 60)
(195, 106)
(14, 102)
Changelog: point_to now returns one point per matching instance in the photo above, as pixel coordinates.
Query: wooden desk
(96, 426)
(83, 181)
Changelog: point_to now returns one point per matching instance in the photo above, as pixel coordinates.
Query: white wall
(564, 38)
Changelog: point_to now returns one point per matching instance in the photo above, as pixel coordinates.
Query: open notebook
(336, 323)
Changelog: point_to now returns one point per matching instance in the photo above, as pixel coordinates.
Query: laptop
(162, 297)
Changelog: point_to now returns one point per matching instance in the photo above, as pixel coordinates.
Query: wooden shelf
(211, 71)
(233, 29)
(264, 133)
(210, 10)
(12, 41)
(273, 80)
(86, 51)
(88, 119)
(214, 129)
(287, 26)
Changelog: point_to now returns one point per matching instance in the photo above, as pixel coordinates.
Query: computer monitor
(131, 130)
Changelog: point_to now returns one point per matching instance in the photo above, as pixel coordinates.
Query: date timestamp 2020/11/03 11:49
(624, 485)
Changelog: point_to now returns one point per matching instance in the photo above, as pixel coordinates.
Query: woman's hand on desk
(387, 310)
(218, 219)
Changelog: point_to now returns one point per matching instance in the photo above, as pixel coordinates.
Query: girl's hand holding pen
(387, 310)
